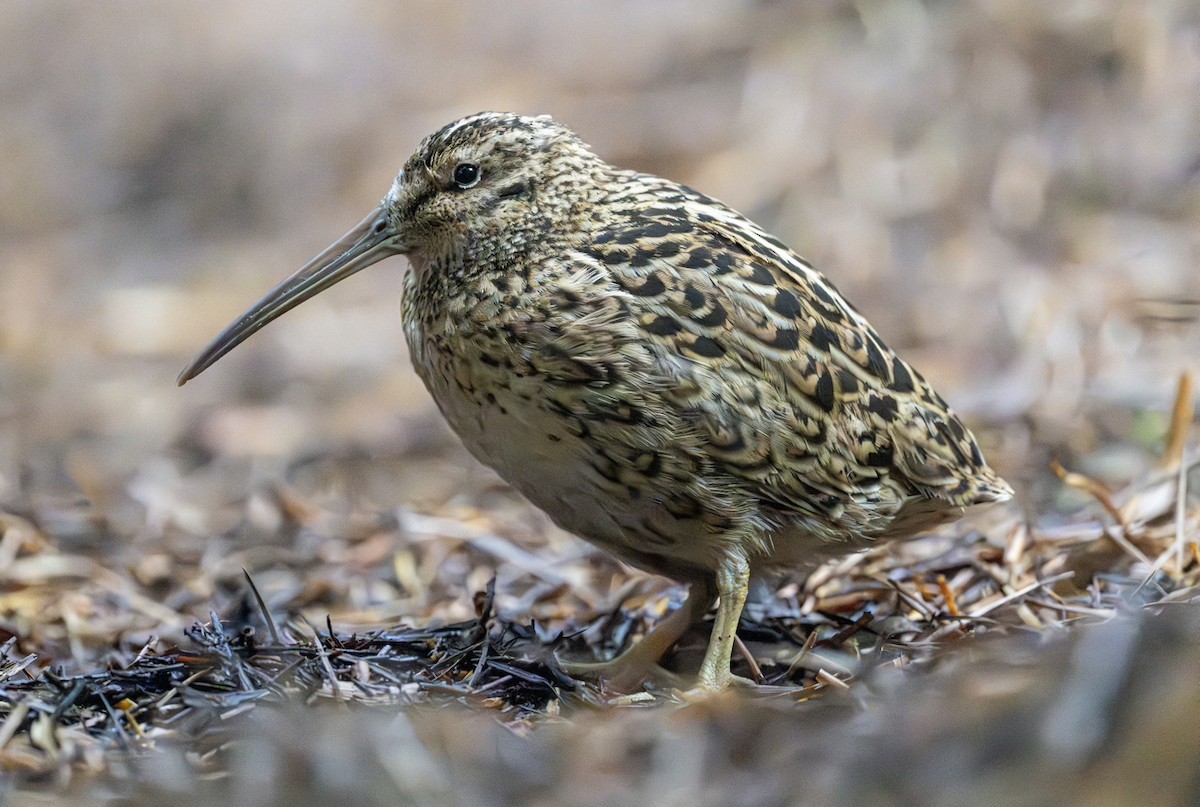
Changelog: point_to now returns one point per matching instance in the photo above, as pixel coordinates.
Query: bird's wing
(790, 386)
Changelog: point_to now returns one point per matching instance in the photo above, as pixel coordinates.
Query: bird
(655, 371)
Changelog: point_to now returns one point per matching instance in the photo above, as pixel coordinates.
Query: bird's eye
(466, 175)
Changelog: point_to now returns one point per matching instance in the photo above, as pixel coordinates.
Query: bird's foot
(628, 672)
(709, 686)
(639, 665)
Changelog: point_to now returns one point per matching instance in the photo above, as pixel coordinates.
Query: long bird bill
(370, 241)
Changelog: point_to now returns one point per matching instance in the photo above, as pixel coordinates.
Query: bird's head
(482, 183)
(481, 175)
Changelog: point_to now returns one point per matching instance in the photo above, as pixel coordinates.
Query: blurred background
(1008, 189)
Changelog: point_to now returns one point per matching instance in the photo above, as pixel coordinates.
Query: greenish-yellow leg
(628, 671)
(733, 584)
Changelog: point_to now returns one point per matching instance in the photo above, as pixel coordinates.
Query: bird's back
(791, 390)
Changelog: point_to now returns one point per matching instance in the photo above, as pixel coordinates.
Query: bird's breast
(586, 452)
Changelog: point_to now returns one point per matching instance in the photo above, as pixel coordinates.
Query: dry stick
(17, 666)
(1175, 456)
(1021, 592)
(146, 650)
(1101, 494)
(852, 629)
(118, 727)
(1181, 420)
(807, 647)
(483, 654)
(262, 606)
(16, 717)
(917, 605)
(755, 670)
(492, 685)
(333, 682)
(826, 677)
(1065, 607)
(948, 596)
(1179, 542)
(1182, 413)
(1180, 516)
(1015, 546)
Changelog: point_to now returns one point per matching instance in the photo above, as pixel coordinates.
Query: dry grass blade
(748, 657)
(1007, 599)
(1104, 497)
(326, 665)
(1183, 412)
(948, 596)
(262, 608)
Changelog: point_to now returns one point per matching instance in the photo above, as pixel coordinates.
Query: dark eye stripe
(512, 190)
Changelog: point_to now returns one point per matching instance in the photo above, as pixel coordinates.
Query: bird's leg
(628, 671)
(733, 584)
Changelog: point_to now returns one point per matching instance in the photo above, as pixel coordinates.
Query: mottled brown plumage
(649, 367)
